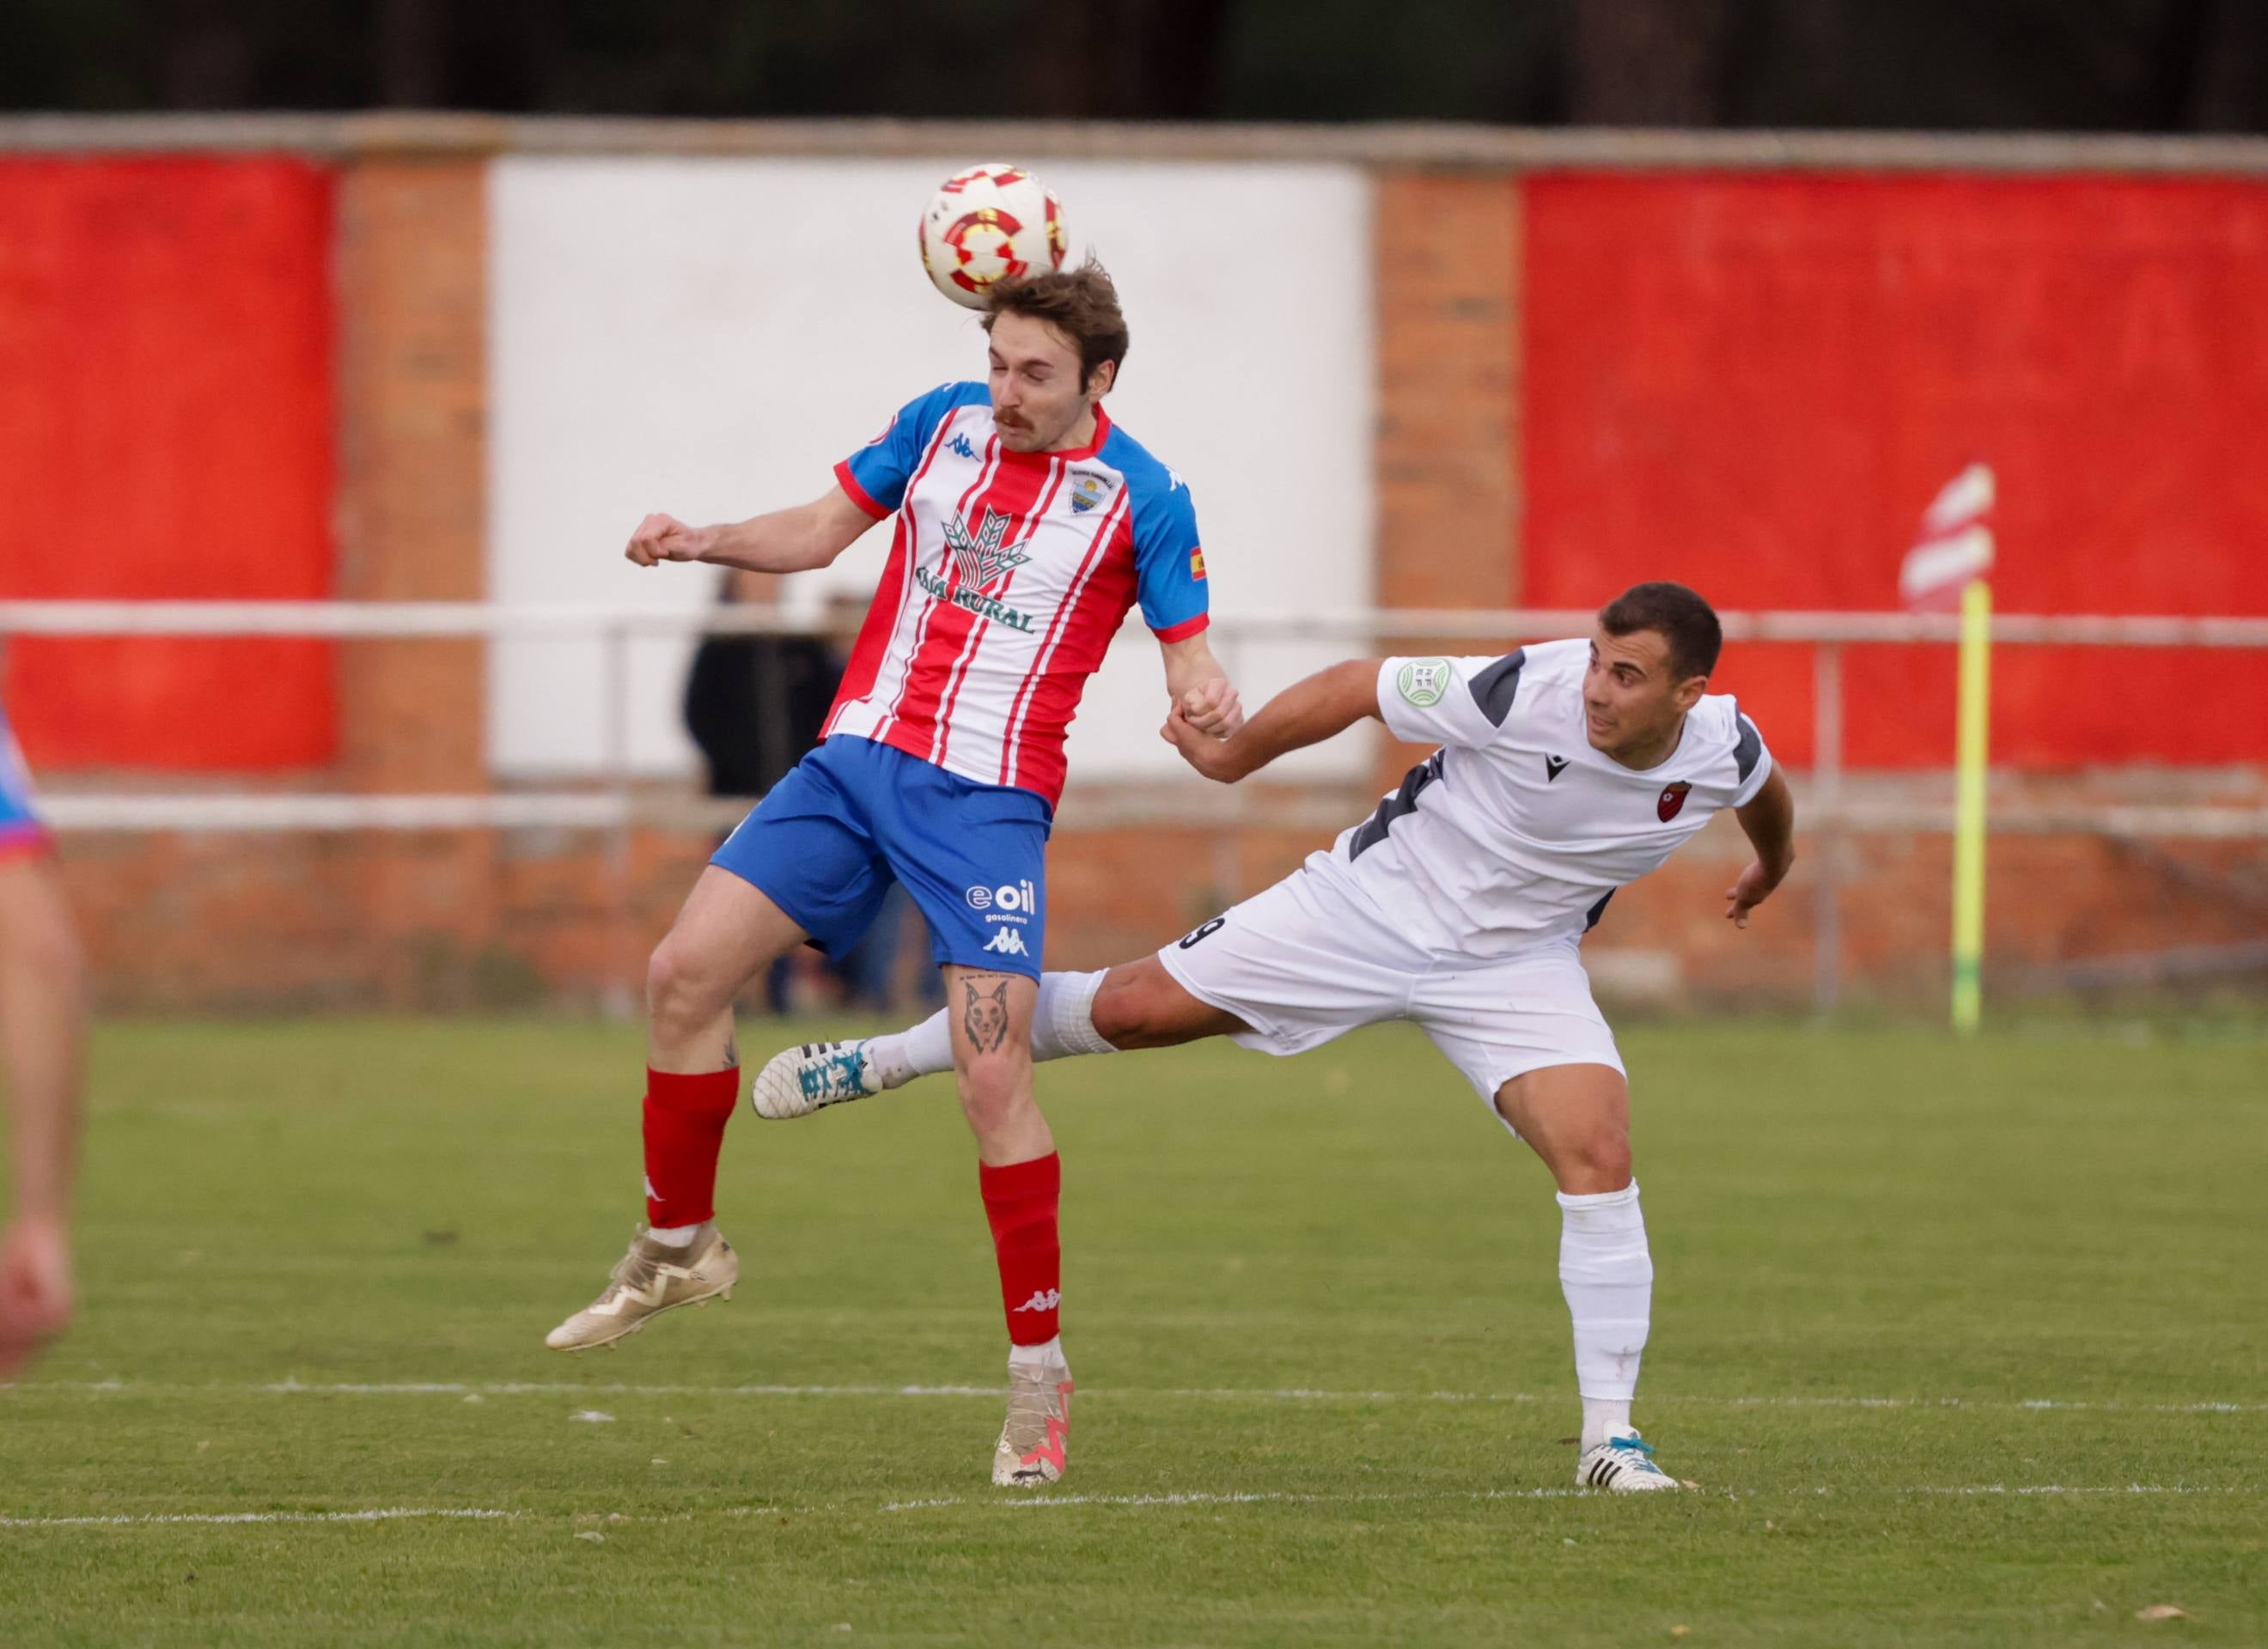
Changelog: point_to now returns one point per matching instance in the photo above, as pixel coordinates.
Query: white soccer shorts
(1314, 957)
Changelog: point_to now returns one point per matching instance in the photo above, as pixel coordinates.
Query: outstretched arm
(1769, 821)
(786, 541)
(1308, 712)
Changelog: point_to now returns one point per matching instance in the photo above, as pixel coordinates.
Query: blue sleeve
(875, 476)
(1169, 570)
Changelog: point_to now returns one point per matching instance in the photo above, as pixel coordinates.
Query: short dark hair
(1082, 304)
(1678, 615)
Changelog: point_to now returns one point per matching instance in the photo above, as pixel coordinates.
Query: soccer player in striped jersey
(1024, 524)
(42, 1044)
(1565, 771)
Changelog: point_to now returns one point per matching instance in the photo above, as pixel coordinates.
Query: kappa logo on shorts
(1007, 942)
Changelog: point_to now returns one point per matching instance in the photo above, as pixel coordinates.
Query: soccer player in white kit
(1565, 771)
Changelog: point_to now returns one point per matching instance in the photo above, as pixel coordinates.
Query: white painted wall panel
(708, 338)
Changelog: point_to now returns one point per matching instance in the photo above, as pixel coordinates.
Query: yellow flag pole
(1971, 749)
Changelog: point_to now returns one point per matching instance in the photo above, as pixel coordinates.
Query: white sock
(1047, 1356)
(922, 1051)
(672, 1236)
(1608, 1277)
(1063, 1025)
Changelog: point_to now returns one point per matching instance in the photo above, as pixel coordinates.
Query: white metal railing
(615, 807)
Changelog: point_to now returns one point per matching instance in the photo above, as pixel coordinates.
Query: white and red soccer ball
(988, 224)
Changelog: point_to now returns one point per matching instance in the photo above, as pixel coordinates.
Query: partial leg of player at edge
(1566, 771)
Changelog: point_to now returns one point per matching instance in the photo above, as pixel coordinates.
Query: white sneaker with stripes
(799, 1080)
(1624, 1464)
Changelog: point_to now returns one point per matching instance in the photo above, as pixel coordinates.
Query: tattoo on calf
(985, 1021)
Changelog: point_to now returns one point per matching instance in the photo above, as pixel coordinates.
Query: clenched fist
(661, 538)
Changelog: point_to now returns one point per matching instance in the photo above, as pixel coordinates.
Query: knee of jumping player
(682, 995)
(995, 1087)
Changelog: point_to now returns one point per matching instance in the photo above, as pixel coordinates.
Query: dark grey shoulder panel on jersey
(1493, 688)
(1403, 799)
(1749, 746)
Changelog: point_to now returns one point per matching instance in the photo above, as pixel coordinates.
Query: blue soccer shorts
(853, 816)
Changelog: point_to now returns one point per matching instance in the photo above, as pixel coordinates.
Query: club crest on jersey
(984, 556)
(1087, 489)
(1671, 799)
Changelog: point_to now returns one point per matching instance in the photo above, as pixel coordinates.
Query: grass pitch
(1964, 1343)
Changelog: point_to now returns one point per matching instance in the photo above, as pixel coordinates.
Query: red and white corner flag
(1955, 547)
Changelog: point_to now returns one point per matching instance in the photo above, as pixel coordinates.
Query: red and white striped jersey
(1009, 573)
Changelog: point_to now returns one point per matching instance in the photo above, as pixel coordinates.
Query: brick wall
(449, 920)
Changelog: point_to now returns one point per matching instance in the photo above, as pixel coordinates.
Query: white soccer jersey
(1516, 830)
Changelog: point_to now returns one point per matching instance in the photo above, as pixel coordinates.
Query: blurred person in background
(43, 1042)
(756, 706)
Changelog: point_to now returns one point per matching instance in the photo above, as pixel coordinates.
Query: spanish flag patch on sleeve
(1196, 565)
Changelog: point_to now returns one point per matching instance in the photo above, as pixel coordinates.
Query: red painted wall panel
(1754, 384)
(167, 430)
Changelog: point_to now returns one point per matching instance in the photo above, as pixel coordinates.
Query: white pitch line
(385, 1515)
(1288, 1394)
(1165, 1501)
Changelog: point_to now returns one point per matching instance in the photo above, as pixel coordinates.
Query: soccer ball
(988, 224)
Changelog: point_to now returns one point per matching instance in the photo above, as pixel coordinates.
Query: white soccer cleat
(652, 1278)
(1034, 1446)
(801, 1080)
(1624, 1463)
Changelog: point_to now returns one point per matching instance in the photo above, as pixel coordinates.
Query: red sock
(685, 1118)
(1019, 1201)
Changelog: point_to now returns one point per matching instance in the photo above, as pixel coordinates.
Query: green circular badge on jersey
(1422, 681)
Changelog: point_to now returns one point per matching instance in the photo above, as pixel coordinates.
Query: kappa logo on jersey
(1087, 489)
(959, 447)
(1672, 798)
(1553, 766)
(1422, 681)
(1007, 942)
(983, 555)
